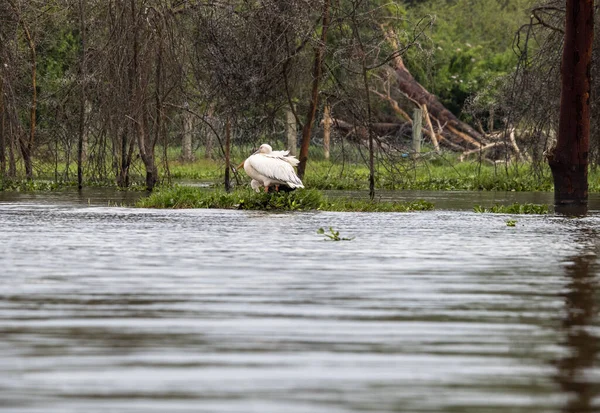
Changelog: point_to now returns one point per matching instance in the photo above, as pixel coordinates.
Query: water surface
(131, 310)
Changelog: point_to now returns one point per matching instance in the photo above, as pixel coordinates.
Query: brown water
(109, 309)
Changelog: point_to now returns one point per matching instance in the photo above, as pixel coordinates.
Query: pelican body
(267, 167)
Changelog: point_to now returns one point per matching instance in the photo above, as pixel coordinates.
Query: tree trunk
(2, 130)
(326, 130)
(210, 144)
(82, 70)
(125, 161)
(227, 154)
(290, 127)
(26, 155)
(12, 161)
(568, 160)
(314, 101)
(416, 131)
(187, 154)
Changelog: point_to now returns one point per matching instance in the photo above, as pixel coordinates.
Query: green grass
(299, 200)
(345, 171)
(446, 174)
(515, 208)
(202, 169)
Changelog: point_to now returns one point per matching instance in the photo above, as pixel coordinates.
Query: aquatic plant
(515, 208)
(511, 223)
(299, 200)
(332, 235)
(361, 205)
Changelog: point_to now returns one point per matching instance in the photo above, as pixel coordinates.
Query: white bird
(267, 167)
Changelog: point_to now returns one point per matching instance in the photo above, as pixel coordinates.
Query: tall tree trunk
(290, 127)
(82, 72)
(26, 143)
(568, 160)
(12, 161)
(314, 101)
(227, 154)
(2, 130)
(123, 177)
(150, 144)
(326, 130)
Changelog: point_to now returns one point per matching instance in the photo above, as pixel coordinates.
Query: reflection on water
(125, 310)
(576, 369)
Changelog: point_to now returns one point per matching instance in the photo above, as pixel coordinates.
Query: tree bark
(568, 159)
(227, 155)
(2, 130)
(12, 161)
(314, 101)
(82, 70)
(290, 127)
(326, 130)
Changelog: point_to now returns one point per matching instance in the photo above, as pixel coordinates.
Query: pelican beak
(240, 166)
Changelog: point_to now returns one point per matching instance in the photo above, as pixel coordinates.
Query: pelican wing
(284, 155)
(276, 168)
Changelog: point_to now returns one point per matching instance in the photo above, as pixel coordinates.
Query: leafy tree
(470, 46)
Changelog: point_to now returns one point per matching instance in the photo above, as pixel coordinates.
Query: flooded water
(113, 309)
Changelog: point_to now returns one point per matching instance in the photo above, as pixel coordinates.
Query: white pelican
(267, 167)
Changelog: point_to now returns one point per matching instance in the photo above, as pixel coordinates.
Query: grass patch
(299, 200)
(18, 185)
(358, 205)
(432, 174)
(346, 170)
(515, 208)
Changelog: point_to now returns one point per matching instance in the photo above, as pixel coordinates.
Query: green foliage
(470, 48)
(511, 223)
(332, 235)
(357, 205)
(298, 200)
(515, 208)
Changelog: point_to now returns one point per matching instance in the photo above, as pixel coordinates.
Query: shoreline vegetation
(442, 173)
(436, 173)
(180, 197)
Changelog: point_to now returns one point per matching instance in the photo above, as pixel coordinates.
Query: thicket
(112, 91)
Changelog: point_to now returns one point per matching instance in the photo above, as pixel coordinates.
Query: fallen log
(386, 128)
(414, 91)
(482, 149)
